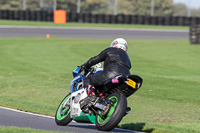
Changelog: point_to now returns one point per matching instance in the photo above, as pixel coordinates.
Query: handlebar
(86, 72)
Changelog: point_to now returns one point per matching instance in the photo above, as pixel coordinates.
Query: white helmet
(119, 43)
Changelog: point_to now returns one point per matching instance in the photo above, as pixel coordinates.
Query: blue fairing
(77, 78)
(98, 71)
(76, 71)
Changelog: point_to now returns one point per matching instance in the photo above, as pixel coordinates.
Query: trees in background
(94, 6)
(195, 12)
(134, 7)
(140, 7)
(143, 7)
(68, 5)
(11, 4)
(180, 10)
(163, 7)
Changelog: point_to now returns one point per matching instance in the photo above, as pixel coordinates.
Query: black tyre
(62, 116)
(115, 115)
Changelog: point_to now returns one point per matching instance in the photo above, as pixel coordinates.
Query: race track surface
(92, 33)
(10, 117)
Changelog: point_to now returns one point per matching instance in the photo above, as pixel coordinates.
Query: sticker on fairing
(131, 83)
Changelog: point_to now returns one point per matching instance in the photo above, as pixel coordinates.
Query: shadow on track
(93, 127)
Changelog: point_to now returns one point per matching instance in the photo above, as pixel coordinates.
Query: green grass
(35, 74)
(23, 130)
(70, 24)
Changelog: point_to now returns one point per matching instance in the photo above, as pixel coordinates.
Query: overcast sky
(193, 3)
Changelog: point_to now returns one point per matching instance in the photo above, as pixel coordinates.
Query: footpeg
(128, 110)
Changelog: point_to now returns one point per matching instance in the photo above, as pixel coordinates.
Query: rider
(116, 62)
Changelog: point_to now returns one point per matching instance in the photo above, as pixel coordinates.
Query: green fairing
(85, 118)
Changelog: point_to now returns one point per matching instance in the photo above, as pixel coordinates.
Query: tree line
(133, 7)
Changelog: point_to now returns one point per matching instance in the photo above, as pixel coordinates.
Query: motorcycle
(109, 108)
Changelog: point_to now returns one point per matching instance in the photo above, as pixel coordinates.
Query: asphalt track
(93, 33)
(11, 117)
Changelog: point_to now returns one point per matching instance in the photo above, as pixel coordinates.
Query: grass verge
(35, 74)
(23, 130)
(70, 24)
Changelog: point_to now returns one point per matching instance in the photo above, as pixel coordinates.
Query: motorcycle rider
(116, 63)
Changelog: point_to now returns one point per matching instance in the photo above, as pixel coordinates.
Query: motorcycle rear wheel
(63, 119)
(115, 115)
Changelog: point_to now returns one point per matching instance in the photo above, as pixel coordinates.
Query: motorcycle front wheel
(115, 114)
(62, 116)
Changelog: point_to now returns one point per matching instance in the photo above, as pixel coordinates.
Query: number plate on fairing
(131, 83)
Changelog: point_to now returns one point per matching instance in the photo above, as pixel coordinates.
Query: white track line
(23, 112)
(92, 28)
(45, 116)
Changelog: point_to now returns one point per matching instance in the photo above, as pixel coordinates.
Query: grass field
(35, 74)
(69, 24)
(23, 130)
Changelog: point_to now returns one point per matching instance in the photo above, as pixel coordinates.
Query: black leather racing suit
(116, 62)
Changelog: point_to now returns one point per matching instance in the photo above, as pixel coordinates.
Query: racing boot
(90, 98)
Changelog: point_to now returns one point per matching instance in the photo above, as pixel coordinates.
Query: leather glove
(82, 67)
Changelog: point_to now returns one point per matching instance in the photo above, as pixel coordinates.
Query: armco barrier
(44, 15)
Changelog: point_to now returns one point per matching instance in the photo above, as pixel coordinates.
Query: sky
(193, 3)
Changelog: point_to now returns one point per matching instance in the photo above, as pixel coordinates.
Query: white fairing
(75, 106)
(97, 65)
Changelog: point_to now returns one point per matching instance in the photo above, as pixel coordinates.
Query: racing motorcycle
(109, 108)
